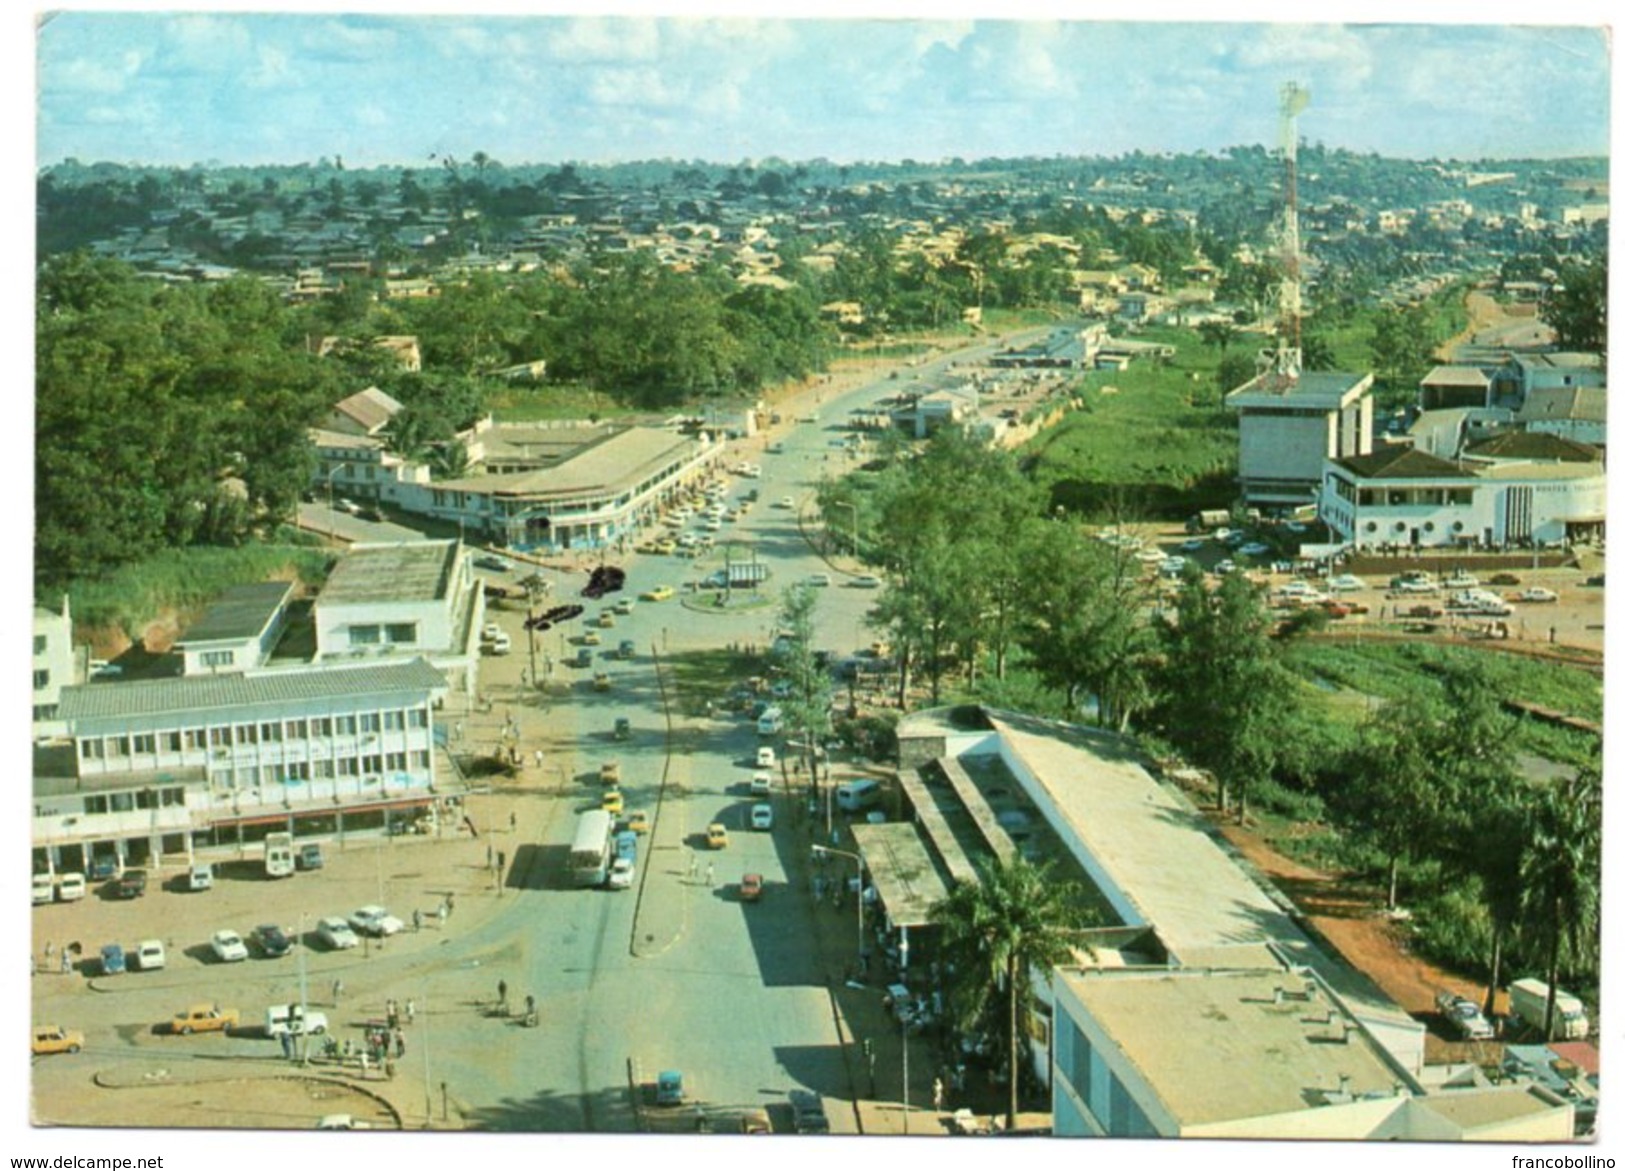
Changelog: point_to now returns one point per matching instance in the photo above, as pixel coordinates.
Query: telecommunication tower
(1284, 363)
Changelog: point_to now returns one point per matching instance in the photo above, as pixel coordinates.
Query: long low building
(1203, 1008)
(159, 768)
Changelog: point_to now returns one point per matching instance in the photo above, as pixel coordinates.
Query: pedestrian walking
(457, 730)
(693, 864)
(502, 995)
(392, 1015)
(502, 861)
(417, 919)
(287, 1046)
(936, 1095)
(411, 1010)
(338, 991)
(400, 1044)
(441, 914)
(539, 758)
(450, 906)
(710, 874)
(490, 856)
(513, 818)
(67, 962)
(530, 1007)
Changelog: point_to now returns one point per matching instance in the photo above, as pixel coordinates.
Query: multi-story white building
(1514, 489)
(156, 769)
(53, 665)
(1291, 425)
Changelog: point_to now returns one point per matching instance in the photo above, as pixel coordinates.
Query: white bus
(592, 851)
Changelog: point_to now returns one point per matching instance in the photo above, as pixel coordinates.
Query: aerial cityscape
(916, 577)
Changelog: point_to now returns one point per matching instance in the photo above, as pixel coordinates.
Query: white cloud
(88, 75)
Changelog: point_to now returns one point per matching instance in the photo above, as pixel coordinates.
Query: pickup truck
(203, 1018)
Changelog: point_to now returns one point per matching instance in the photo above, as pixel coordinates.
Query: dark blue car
(112, 960)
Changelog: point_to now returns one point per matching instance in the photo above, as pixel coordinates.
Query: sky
(397, 86)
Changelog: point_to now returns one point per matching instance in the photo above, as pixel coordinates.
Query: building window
(42, 680)
(298, 730)
(39, 644)
(271, 733)
(173, 796)
(121, 802)
(218, 658)
(95, 804)
(349, 766)
(401, 632)
(196, 738)
(372, 764)
(220, 737)
(322, 770)
(365, 635)
(417, 718)
(90, 750)
(394, 721)
(297, 770)
(345, 725)
(172, 741)
(247, 734)
(144, 743)
(420, 758)
(321, 726)
(118, 746)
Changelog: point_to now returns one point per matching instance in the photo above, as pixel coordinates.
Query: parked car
(200, 877)
(1345, 583)
(44, 889)
(761, 782)
(113, 962)
(807, 1108)
(71, 887)
(750, 888)
(132, 884)
(375, 921)
(1463, 1017)
(493, 561)
(637, 822)
(612, 802)
(787, 502)
(309, 856)
(609, 772)
(716, 836)
(627, 650)
(103, 867)
(1537, 594)
(765, 757)
(490, 632)
(761, 816)
(149, 955)
(500, 645)
(336, 934)
(622, 873)
(657, 594)
(623, 728)
(294, 1019)
(228, 947)
(1254, 549)
(272, 941)
(46, 1039)
(867, 581)
(203, 1018)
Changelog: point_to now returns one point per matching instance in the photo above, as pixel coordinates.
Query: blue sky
(394, 87)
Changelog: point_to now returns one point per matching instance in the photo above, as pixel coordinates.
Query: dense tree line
(153, 404)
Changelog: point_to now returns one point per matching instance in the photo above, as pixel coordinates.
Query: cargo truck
(1528, 998)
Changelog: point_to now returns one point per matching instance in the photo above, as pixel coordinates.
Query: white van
(770, 722)
(855, 796)
(290, 1018)
(1528, 997)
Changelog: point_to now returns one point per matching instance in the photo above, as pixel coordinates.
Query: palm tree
(1562, 876)
(997, 932)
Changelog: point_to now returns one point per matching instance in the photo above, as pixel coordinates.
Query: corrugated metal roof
(241, 612)
(198, 694)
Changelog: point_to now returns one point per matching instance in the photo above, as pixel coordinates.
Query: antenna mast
(1289, 355)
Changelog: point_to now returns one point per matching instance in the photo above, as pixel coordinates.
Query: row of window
(387, 633)
(242, 735)
(372, 764)
(130, 801)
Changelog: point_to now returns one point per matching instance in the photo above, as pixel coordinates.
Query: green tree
(996, 933)
(807, 707)
(1224, 694)
(1562, 877)
(1576, 306)
(1402, 347)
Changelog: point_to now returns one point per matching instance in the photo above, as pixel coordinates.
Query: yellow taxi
(637, 821)
(613, 802)
(658, 594)
(716, 836)
(56, 1039)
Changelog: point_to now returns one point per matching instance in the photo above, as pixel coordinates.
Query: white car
(866, 581)
(761, 782)
(374, 920)
(1254, 549)
(787, 501)
(1345, 583)
(761, 816)
(621, 874)
(1536, 594)
(818, 579)
(493, 561)
(228, 947)
(71, 887)
(44, 889)
(149, 955)
(765, 757)
(336, 934)
(501, 644)
(490, 632)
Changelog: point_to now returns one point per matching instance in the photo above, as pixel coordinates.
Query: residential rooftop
(406, 571)
(239, 613)
(581, 462)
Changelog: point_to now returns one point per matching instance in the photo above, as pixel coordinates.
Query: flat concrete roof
(1312, 390)
(1474, 1109)
(406, 571)
(1216, 1047)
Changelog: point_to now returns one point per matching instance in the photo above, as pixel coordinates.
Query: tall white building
(1291, 425)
